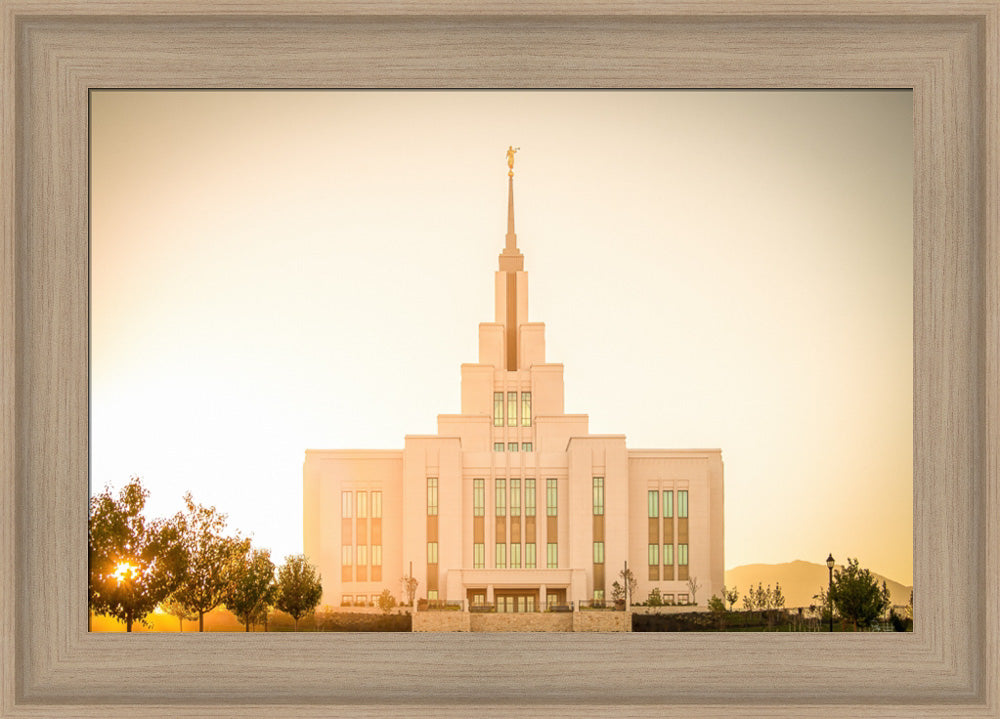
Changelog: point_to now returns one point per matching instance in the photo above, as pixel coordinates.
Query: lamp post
(829, 588)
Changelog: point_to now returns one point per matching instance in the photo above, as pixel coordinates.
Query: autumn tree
(386, 601)
(730, 595)
(175, 609)
(250, 584)
(409, 586)
(134, 562)
(299, 587)
(628, 584)
(693, 587)
(857, 595)
(210, 553)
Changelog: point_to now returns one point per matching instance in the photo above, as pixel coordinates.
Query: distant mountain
(799, 581)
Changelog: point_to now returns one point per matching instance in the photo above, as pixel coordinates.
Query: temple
(514, 505)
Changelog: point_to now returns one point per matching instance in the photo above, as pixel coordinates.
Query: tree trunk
(296, 619)
(246, 627)
(201, 621)
(128, 623)
(181, 620)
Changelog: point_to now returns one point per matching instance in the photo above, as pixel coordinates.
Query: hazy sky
(281, 270)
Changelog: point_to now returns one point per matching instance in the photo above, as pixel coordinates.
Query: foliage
(655, 598)
(748, 604)
(386, 601)
(628, 583)
(777, 598)
(857, 596)
(250, 585)
(209, 555)
(693, 587)
(717, 604)
(299, 587)
(730, 595)
(409, 585)
(175, 609)
(135, 563)
(617, 592)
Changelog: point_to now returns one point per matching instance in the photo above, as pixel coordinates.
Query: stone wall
(670, 609)
(441, 622)
(594, 621)
(526, 622)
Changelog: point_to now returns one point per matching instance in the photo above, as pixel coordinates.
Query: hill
(799, 581)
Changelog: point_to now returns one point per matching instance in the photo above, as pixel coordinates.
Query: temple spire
(511, 235)
(511, 258)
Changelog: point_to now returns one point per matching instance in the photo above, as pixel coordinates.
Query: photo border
(54, 53)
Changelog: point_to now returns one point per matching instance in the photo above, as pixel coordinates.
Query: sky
(273, 271)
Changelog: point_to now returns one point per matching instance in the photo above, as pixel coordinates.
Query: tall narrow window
(501, 498)
(515, 556)
(598, 552)
(498, 409)
(501, 556)
(529, 498)
(526, 409)
(432, 496)
(654, 555)
(682, 503)
(345, 505)
(668, 555)
(432, 552)
(515, 497)
(654, 503)
(682, 554)
(376, 505)
(376, 555)
(668, 503)
(362, 555)
(529, 555)
(598, 496)
(479, 556)
(553, 556)
(478, 497)
(512, 409)
(362, 505)
(347, 555)
(551, 498)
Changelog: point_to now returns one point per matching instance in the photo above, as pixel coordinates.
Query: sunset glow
(277, 271)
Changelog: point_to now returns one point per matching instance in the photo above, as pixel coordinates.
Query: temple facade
(514, 503)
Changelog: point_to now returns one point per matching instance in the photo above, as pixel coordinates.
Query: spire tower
(512, 306)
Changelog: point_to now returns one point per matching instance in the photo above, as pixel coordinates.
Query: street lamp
(829, 588)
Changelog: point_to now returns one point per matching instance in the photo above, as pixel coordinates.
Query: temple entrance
(517, 601)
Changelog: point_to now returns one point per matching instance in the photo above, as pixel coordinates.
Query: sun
(125, 571)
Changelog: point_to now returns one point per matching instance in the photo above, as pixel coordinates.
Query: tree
(617, 592)
(386, 601)
(857, 596)
(209, 555)
(628, 583)
(717, 604)
(693, 588)
(175, 609)
(655, 598)
(250, 584)
(730, 595)
(135, 563)
(409, 585)
(299, 587)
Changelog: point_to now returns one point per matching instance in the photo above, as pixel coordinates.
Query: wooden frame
(53, 52)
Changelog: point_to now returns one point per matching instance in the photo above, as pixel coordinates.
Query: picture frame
(55, 53)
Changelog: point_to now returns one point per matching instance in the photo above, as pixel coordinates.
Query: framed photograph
(56, 56)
